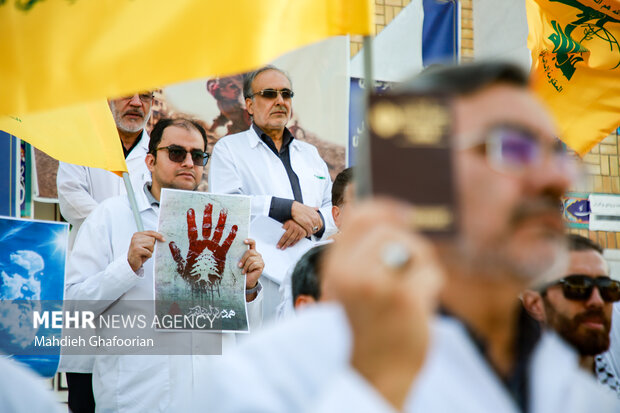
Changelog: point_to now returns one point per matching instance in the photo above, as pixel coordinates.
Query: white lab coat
(22, 391)
(243, 164)
(98, 270)
(612, 356)
(303, 365)
(80, 190)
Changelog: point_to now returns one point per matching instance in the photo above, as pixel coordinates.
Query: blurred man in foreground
(378, 347)
(578, 305)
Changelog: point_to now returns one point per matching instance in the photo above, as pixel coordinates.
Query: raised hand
(204, 255)
(389, 298)
(252, 266)
(141, 248)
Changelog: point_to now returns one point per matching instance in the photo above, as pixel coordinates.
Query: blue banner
(440, 32)
(357, 122)
(9, 175)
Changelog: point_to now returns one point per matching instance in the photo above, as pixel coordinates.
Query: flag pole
(363, 172)
(132, 202)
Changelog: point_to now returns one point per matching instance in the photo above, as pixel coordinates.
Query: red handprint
(197, 261)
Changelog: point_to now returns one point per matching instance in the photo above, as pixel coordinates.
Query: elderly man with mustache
(287, 179)
(81, 190)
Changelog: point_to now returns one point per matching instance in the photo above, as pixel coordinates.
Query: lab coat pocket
(314, 189)
(144, 384)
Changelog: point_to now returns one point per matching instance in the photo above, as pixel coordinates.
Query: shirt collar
(149, 196)
(287, 136)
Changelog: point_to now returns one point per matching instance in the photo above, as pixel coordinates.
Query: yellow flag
(83, 134)
(575, 47)
(61, 52)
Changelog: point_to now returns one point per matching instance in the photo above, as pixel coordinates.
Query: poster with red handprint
(198, 283)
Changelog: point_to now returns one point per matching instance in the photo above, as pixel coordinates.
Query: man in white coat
(110, 263)
(287, 179)
(81, 189)
(382, 349)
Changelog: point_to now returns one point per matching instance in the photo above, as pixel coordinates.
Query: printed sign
(196, 270)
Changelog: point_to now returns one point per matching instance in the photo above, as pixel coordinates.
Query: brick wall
(601, 175)
(386, 10)
(467, 31)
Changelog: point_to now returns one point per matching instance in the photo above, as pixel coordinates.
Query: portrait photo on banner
(196, 268)
(32, 273)
(320, 81)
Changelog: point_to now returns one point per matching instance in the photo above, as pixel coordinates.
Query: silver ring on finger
(395, 255)
(315, 229)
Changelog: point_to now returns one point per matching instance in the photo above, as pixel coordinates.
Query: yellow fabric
(83, 134)
(575, 47)
(61, 52)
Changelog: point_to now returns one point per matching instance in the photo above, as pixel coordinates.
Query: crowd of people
(511, 314)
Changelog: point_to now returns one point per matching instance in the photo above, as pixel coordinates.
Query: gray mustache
(533, 208)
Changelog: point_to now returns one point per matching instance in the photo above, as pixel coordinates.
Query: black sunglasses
(178, 154)
(579, 287)
(273, 93)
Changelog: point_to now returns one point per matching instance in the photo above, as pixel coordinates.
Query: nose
(135, 100)
(595, 300)
(187, 161)
(554, 175)
(279, 98)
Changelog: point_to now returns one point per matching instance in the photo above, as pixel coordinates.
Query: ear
(533, 303)
(150, 161)
(336, 215)
(303, 300)
(249, 105)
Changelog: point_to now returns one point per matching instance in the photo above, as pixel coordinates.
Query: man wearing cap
(379, 346)
(578, 306)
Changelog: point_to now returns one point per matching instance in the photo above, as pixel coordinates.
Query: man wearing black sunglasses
(112, 264)
(287, 179)
(579, 305)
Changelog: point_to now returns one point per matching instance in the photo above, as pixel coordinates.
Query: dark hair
(162, 124)
(578, 243)
(305, 278)
(249, 77)
(465, 78)
(340, 184)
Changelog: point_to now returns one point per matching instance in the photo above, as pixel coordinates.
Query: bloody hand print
(204, 255)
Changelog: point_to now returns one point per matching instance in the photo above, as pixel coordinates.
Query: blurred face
(131, 113)
(169, 174)
(510, 219)
(583, 323)
(270, 114)
(339, 211)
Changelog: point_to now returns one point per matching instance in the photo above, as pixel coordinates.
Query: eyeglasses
(273, 93)
(178, 154)
(513, 148)
(145, 97)
(579, 287)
